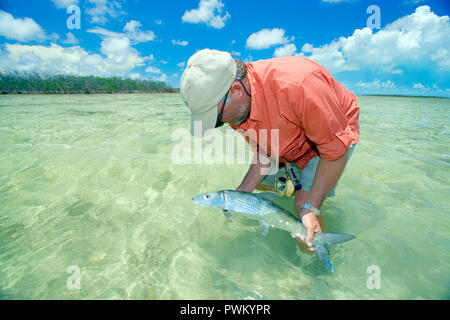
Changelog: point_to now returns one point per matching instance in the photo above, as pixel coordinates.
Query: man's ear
(236, 87)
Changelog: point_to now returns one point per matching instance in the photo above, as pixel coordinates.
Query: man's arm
(325, 124)
(260, 166)
(327, 175)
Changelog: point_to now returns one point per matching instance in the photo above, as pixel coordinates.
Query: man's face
(238, 111)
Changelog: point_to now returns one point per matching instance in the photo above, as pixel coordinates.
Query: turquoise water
(88, 180)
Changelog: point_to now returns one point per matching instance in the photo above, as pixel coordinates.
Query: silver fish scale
(261, 209)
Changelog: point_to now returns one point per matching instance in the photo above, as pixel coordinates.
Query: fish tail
(333, 238)
(329, 239)
(324, 255)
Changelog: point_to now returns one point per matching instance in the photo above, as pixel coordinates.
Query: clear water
(88, 180)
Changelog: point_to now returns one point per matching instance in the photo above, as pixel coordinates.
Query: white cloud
(376, 84)
(70, 39)
(208, 12)
(248, 59)
(24, 30)
(52, 37)
(388, 87)
(158, 21)
(443, 57)
(235, 53)
(104, 32)
(162, 77)
(117, 59)
(101, 10)
(413, 2)
(132, 31)
(181, 64)
(417, 39)
(307, 47)
(286, 50)
(115, 47)
(136, 76)
(163, 62)
(267, 38)
(153, 70)
(182, 43)
(63, 4)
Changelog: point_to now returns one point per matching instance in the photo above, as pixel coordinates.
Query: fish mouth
(197, 201)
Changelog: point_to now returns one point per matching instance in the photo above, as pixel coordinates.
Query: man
(316, 117)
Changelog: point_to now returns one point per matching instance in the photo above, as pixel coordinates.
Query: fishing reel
(283, 183)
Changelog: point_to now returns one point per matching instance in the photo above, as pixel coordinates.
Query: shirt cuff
(337, 147)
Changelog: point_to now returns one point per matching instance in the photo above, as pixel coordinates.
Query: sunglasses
(219, 122)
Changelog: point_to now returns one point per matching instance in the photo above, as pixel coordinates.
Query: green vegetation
(34, 83)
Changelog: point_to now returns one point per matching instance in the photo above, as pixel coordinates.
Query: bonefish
(260, 207)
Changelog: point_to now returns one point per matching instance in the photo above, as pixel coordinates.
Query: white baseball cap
(207, 78)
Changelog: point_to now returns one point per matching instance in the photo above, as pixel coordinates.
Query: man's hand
(311, 224)
(255, 173)
(240, 188)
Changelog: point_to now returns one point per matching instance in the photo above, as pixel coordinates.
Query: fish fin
(265, 228)
(324, 255)
(333, 238)
(268, 196)
(226, 214)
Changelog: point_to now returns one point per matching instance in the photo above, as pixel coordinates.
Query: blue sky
(409, 54)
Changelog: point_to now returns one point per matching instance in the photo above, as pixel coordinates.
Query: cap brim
(203, 123)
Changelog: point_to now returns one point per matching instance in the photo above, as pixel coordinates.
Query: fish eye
(207, 196)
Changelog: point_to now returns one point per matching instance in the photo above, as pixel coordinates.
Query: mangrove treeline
(35, 83)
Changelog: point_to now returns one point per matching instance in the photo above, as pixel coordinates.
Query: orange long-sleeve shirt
(314, 114)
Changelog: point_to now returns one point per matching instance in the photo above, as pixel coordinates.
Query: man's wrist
(303, 213)
(308, 208)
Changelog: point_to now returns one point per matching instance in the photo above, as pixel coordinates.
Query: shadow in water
(74, 112)
(78, 208)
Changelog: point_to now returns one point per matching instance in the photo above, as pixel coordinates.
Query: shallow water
(88, 180)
